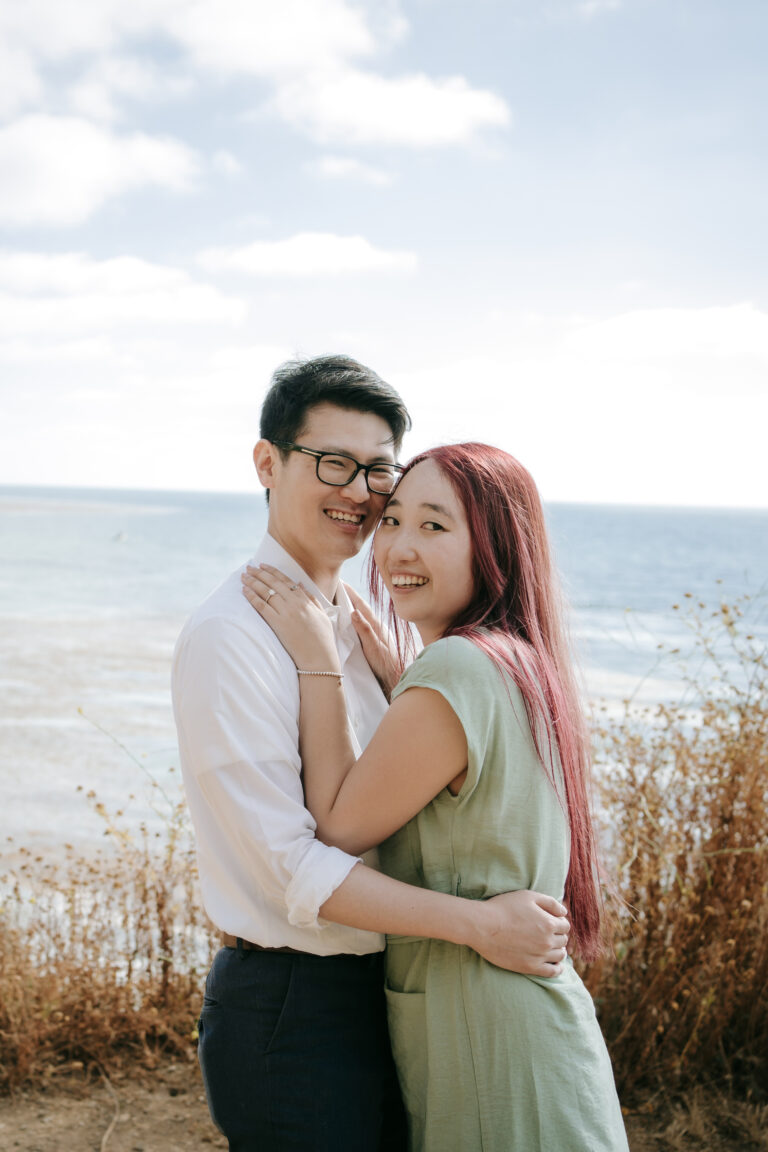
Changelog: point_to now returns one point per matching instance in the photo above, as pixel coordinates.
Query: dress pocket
(407, 1019)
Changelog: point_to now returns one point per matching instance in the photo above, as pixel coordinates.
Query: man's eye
(337, 462)
(381, 472)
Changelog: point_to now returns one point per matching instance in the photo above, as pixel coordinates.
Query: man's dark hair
(299, 385)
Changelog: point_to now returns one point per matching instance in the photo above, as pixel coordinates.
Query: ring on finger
(293, 587)
(270, 593)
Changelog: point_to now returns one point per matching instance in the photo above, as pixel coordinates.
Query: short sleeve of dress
(476, 690)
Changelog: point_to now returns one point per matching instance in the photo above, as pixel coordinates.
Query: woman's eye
(433, 526)
(389, 521)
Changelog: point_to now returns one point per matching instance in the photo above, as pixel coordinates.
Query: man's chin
(351, 537)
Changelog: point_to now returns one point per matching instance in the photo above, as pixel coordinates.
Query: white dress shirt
(263, 874)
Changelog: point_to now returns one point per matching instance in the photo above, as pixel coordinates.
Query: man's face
(319, 525)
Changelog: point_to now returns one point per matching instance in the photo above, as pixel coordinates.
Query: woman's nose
(403, 545)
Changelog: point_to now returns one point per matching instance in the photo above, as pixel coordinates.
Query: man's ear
(266, 458)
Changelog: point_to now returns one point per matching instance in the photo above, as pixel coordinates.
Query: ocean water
(95, 585)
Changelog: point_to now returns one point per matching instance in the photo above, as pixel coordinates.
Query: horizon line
(638, 504)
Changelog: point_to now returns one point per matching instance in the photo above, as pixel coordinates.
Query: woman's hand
(299, 622)
(377, 648)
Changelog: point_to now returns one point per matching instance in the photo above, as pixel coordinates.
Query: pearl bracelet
(306, 672)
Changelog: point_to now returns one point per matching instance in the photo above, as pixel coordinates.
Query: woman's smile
(404, 580)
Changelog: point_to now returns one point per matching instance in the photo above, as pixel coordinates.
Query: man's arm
(521, 931)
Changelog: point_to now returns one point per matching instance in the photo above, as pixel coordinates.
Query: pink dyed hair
(516, 617)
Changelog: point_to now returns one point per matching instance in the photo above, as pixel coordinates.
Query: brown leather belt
(248, 945)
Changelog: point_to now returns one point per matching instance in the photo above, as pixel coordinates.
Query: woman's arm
(418, 749)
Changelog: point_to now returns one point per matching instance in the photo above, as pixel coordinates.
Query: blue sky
(543, 221)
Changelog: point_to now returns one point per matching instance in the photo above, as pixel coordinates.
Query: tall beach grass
(682, 993)
(101, 955)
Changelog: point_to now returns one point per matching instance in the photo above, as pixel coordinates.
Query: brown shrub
(683, 995)
(100, 956)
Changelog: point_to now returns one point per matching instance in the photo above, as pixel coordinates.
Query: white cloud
(567, 395)
(308, 254)
(242, 372)
(57, 352)
(20, 84)
(306, 50)
(262, 38)
(225, 37)
(67, 273)
(98, 93)
(166, 413)
(60, 170)
(225, 163)
(348, 168)
(722, 337)
(60, 296)
(590, 8)
(634, 407)
(415, 111)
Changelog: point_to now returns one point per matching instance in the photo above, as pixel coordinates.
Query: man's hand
(377, 649)
(523, 932)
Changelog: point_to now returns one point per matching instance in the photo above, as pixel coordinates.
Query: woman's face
(424, 552)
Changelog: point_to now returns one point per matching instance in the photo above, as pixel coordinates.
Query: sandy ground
(164, 1111)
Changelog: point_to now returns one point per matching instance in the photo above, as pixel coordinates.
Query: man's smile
(345, 517)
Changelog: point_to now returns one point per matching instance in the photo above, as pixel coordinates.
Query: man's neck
(326, 579)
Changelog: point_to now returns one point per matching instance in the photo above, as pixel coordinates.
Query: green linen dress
(491, 1060)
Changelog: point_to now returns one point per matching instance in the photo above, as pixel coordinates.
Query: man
(293, 1039)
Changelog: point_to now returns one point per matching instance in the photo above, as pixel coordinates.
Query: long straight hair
(516, 617)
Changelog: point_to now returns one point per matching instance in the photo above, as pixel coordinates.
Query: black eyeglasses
(338, 470)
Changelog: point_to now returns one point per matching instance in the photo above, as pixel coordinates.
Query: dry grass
(101, 959)
(698, 1120)
(683, 995)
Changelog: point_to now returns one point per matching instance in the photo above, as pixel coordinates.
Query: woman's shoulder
(449, 659)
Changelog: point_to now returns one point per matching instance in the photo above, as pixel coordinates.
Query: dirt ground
(161, 1112)
(165, 1111)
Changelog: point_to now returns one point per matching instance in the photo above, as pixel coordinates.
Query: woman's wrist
(318, 661)
(321, 658)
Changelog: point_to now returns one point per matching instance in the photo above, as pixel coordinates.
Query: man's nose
(357, 489)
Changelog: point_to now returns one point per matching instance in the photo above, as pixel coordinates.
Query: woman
(475, 782)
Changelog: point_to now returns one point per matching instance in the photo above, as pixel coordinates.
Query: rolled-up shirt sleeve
(236, 703)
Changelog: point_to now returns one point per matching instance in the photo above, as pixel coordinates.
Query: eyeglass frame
(364, 468)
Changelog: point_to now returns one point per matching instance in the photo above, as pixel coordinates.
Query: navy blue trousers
(295, 1054)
